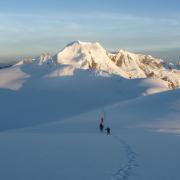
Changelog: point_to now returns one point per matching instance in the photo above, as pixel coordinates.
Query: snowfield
(51, 109)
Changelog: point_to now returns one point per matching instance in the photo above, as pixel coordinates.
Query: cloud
(94, 21)
(112, 29)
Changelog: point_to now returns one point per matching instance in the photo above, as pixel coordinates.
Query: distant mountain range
(92, 56)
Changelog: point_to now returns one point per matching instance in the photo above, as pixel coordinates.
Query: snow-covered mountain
(128, 65)
(84, 55)
(92, 56)
(144, 66)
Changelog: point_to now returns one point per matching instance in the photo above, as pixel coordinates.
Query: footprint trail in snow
(126, 170)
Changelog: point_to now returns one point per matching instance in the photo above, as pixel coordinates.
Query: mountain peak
(74, 42)
(82, 43)
(87, 55)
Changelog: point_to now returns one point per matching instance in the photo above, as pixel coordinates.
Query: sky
(28, 28)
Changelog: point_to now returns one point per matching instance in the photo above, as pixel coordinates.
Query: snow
(49, 156)
(51, 110)
(75, 149)
(83, 55)
(85, 88)
(155, 86)
(12, 78)
(143, 66)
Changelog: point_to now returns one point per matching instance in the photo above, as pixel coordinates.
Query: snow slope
(12, 78)
(36, 90)
(75, 149)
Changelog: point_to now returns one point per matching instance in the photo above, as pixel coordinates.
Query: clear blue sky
(31, 27)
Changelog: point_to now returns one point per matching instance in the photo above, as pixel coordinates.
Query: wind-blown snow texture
(51, 108)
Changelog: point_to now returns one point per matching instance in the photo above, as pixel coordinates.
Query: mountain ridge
(92, 56)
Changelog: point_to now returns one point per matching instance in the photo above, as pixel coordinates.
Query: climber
(101, 127)
(108, 130)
